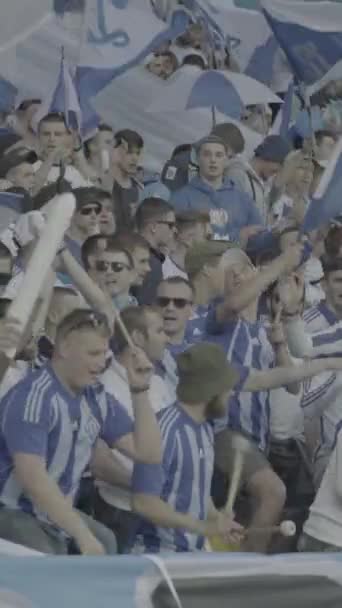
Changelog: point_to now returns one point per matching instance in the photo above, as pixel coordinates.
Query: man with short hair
(191, 227)
(85, 221)
(322, 396)
(156, 222)
(139, 249)
(56, 146)
(50, 427)
(175, 297)
(112, 269)
(230, 210)
(252, 177)
(175, 301)
(126, 189)
(144, 325)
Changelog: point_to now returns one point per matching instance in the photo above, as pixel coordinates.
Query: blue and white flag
(64, 99)
(8, 94)
(310, 34)
(119, 35)
(326, 202)
(250, 40)
(282, 122)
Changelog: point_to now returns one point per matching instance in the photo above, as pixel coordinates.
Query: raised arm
(282, 376)
(144, 444)
(238, 301)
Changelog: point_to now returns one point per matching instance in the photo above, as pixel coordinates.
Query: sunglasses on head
(89, 319)
(177, 302)
(103, 266)
(89, 210)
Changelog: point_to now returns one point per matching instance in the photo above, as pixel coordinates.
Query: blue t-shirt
(39, 416)
(247, 347)
(196, 325)
(188, 460)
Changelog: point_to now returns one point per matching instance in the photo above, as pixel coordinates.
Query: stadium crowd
(117, 445)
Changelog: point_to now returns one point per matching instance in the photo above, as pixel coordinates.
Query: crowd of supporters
(181, 312)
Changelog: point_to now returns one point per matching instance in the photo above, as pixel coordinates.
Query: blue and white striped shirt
(247, 348)
(188, 461)
(39, 416)
(322, 396)
(196, 325)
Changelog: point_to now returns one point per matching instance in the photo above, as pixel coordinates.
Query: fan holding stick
(241, 447)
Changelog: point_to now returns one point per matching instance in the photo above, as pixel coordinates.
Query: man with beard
(184, 514)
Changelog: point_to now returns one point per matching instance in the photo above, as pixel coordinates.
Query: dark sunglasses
(89, 210)
(102, 266)
(177, 302)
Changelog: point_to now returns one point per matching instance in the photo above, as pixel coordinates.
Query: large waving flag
(63, 99)
(249, 38)
(282, 122)
(326, 202)
(310, 34)
(119, 35)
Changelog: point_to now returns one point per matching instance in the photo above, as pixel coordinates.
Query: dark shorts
(254, 461)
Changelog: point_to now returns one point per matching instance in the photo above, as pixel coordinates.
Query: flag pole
(310, 114)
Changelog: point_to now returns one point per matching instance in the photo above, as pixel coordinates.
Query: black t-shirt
(146, 294)
(125, 201)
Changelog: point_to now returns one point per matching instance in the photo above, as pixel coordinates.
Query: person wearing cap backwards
(219, 271)
(231, 210)
(252, 177)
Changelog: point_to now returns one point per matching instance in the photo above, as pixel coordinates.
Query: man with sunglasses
(51, 424)
(112, 268)
(85, 221)
(175, 302)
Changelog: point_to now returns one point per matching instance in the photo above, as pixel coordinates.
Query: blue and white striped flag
(64, 99)
(119, 35)
(326, 202)
(310, 34)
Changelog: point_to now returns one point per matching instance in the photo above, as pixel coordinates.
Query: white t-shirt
(325, 519)
(287, 416)
(72, 175)
(170, 269)
(115, 382)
